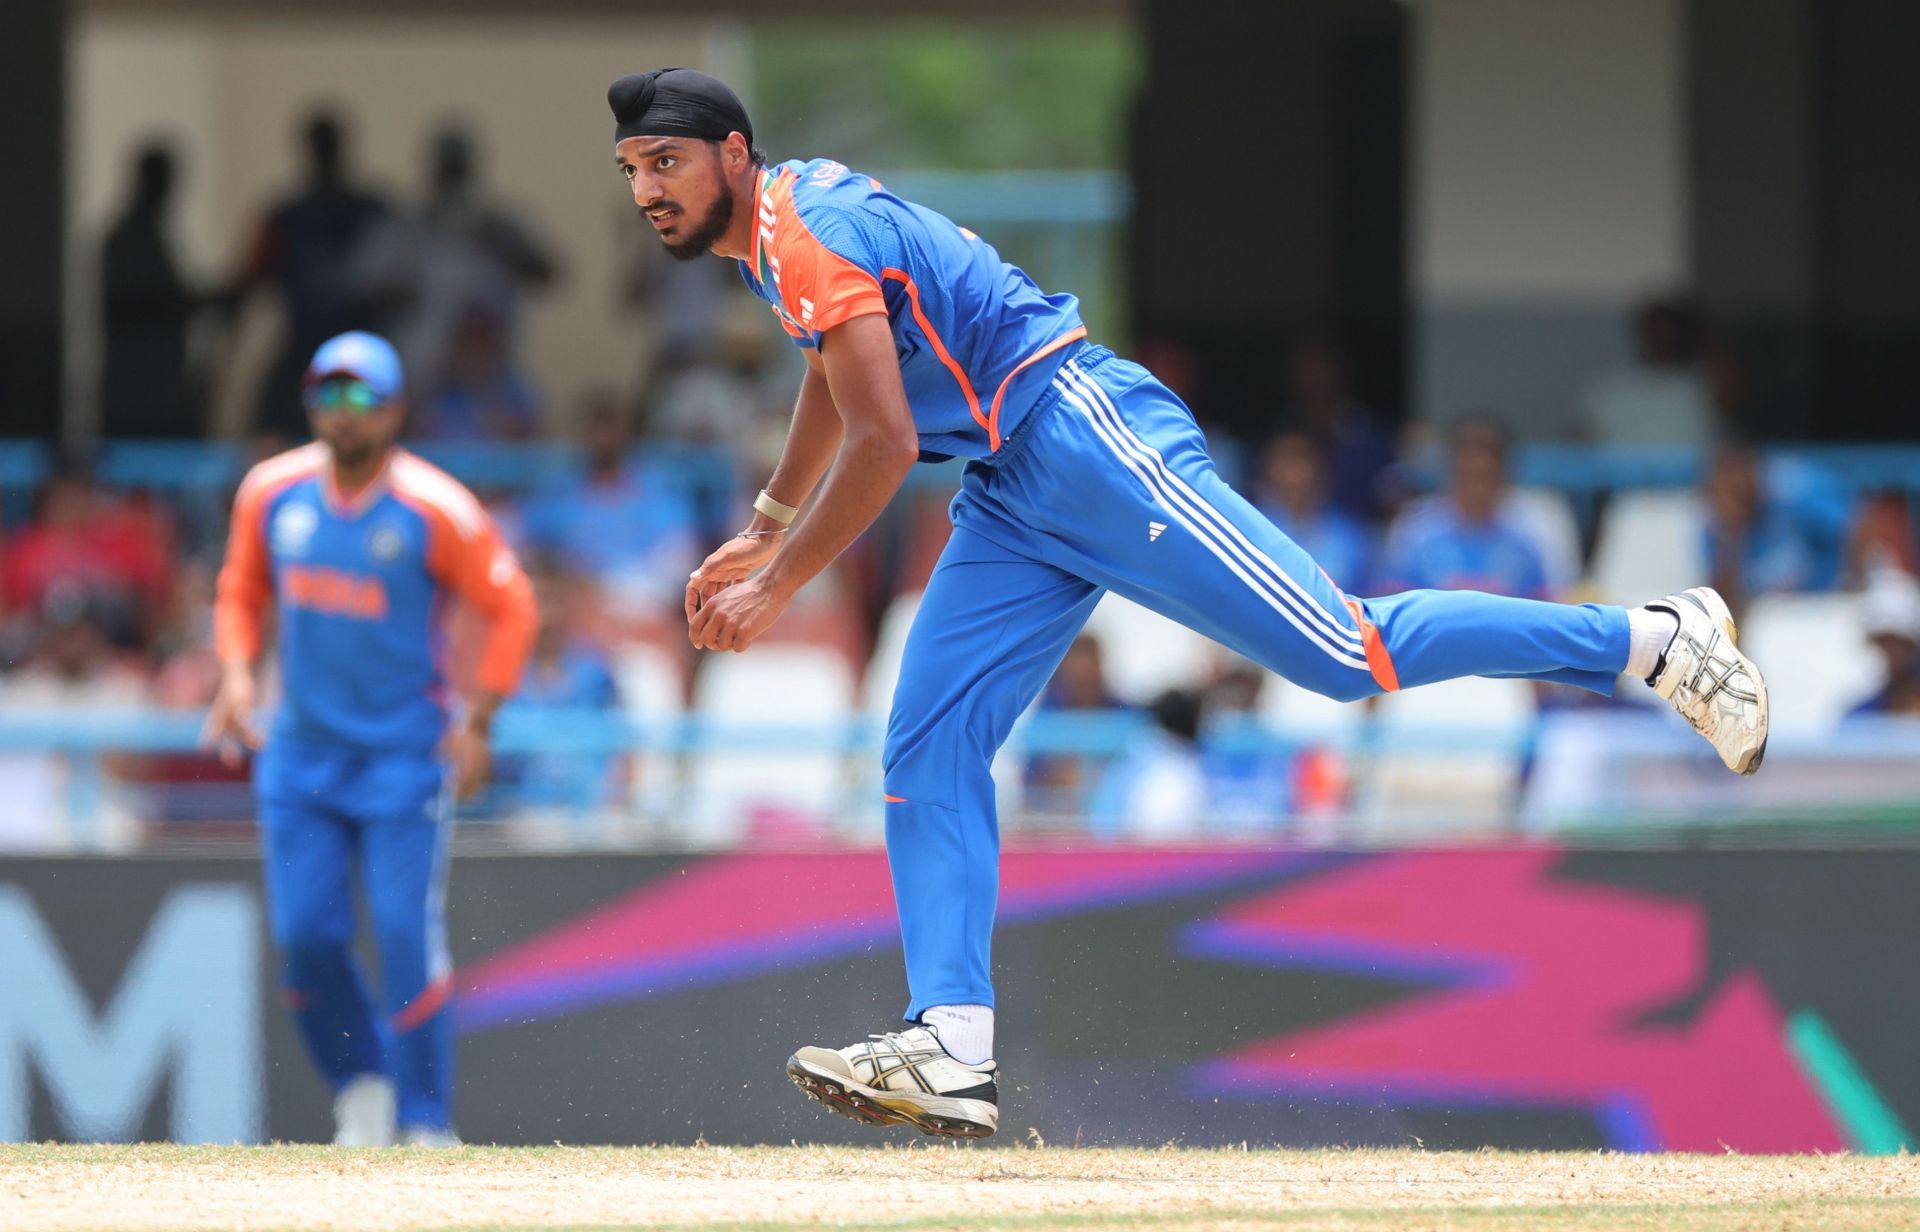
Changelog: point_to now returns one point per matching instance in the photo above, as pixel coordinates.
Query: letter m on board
(187, 1008)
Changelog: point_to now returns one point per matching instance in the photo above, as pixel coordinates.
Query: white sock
(1651, 632)
(965, 1031)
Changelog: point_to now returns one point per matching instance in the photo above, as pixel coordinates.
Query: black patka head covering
(676, 102)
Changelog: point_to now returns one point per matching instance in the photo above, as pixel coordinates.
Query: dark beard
(354, 455)
(700, 241)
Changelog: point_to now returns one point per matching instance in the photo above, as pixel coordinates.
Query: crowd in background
(105, 594)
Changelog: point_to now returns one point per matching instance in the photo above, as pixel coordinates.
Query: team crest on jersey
(293, 529)
(386, 544)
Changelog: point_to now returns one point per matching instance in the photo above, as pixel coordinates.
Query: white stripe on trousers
(1223, 527)
(1178, 511)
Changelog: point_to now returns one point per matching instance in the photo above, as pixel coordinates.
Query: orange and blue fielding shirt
(361, 588)
(978, 342)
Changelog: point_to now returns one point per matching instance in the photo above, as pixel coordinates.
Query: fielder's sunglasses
(339, 393)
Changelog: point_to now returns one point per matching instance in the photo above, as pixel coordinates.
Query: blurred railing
(192, 470)
(198, 477)
(1587, 470)
(1599, 773)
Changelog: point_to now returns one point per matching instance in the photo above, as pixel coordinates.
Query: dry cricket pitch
(168, 1188)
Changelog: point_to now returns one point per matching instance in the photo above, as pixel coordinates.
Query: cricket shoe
(903, 1078)
(1706, 678)
(363, 1112)
(432, 1139)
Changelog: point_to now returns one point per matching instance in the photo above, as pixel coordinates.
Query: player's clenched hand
(230, 724)
(732, 619)
(733, 561)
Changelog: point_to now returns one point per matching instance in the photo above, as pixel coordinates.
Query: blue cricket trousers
(1062, 514)
(329, 812)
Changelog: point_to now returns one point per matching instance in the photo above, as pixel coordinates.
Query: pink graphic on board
(736, 916)
(1546, 993)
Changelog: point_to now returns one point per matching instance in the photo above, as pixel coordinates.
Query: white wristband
(777, 510)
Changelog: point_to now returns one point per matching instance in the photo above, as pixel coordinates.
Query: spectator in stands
(147, 309)
(188, 676)
(1882, 535)
(301, 249)
(1080, 682)
(619, 522)
(74, 666)
(482, 396)
(727, 392)
(1056, 784)
(1758, 539)
(567, 672)
(71, 673)
(1248, 788)
(1465, 538)
(1233, 688)
(86, 546)
(1158, 789)
(1890, 612)
(1293, 496)
(425, 270)
(1663, 397)
(1358, 446)
(1170, 785)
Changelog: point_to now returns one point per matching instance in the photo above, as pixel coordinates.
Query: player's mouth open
(661, 218)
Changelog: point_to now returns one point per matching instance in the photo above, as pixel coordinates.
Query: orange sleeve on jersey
(481, 571)
(819, 287)
(246, 579)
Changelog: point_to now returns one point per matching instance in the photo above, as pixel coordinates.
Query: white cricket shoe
(436, 1139)
(1707, 679)
(903, 1078)
(363, 1112)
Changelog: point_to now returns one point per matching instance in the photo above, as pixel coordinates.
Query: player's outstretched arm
(879, 445)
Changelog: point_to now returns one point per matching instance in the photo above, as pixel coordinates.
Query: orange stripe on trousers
(1379, 662)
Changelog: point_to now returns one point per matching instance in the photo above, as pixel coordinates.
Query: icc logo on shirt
(293, 529)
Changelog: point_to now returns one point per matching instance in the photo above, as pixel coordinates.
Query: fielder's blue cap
(369, 357)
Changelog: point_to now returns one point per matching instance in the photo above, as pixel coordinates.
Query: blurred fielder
(1085, 475)
(360, 546)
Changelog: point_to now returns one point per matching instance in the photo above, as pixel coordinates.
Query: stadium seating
(883, 669)
(1145, 653)
(1443, 755)
(1548, 517)
(1650, 544)
(786, 770)
(1435, 789)
(653, 692)
(1286, 707)
(1817, 659)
